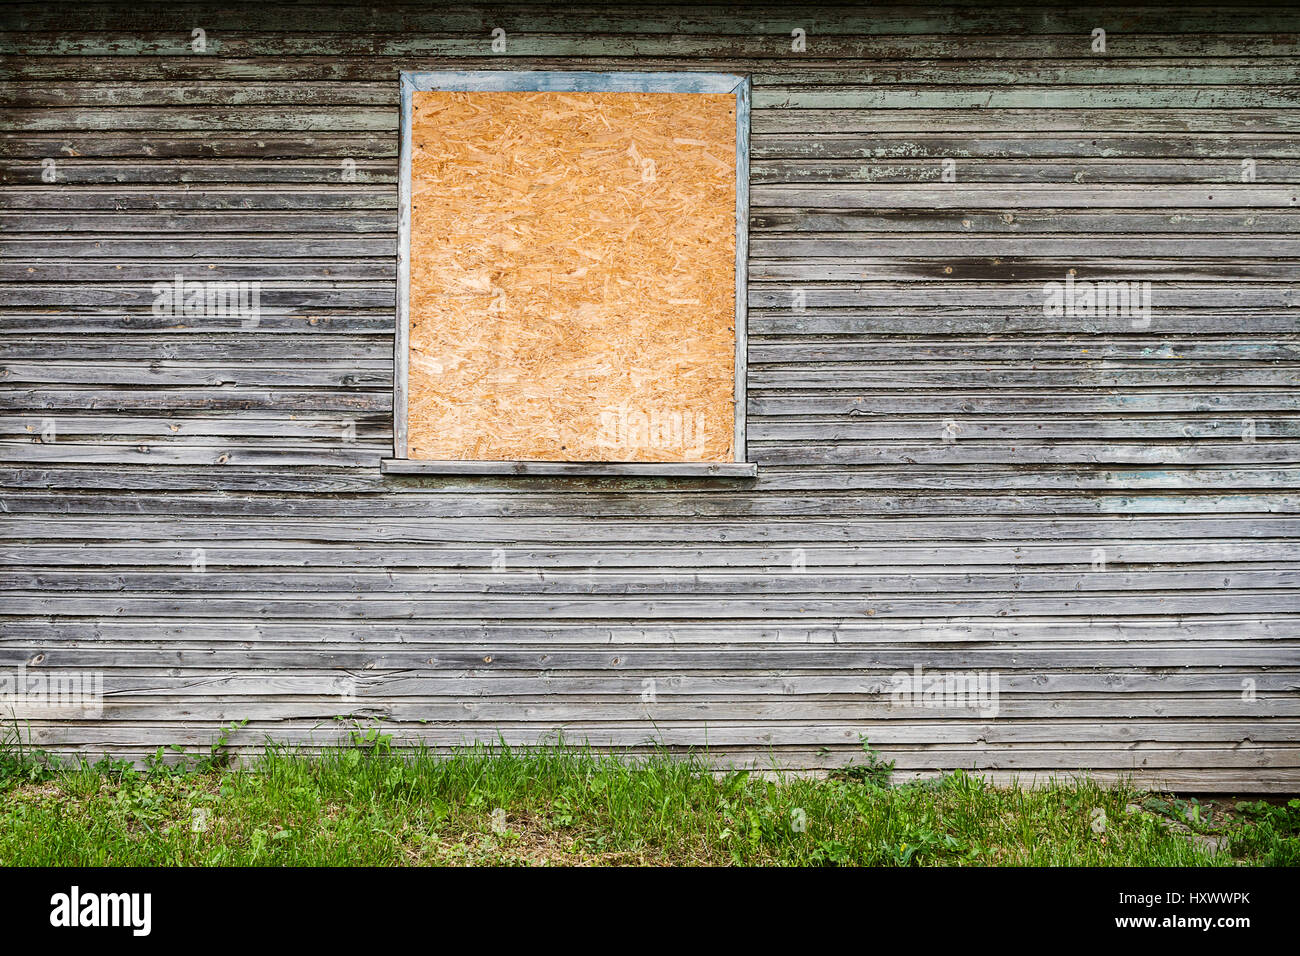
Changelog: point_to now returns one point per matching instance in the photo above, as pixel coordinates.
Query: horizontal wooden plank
(1060, 147)
(992, 402)
(134, 477)
(1168, 294)
(596, 609)
(249, 424)
(78, 171)
(1218, 630)
(790, 580)
(325, 683)
(1093, 348)
(856, 376)
(1118, 554)
(1023, 451)
(889, 223)
(1093, 268)
(122, 199)
(68, 94)
(1083, 251)
(202, 348)
(194, 222)
(151, 145)
(332, 119)
(1024, 95)
(977, 119)
(310, 322)
(1080, 477)
(418, 511)
(190, 248)
(1003, 322)
(543, 709)
(342, 453)
(980, 170)
(564, 43)
(29, 400)
(147, 273)
(859, 669)
(1006, 753)
(1025, 196)
(309, 88)
(1033, 430)
(360, 373)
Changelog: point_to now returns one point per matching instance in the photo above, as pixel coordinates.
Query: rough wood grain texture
(1112, 528)
(572, 276)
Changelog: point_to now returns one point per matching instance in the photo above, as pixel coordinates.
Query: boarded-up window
(570, 263)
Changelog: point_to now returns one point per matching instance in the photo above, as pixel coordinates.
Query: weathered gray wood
(282, 245)
(968, 221)
(1172, 294)
(895, 269)
(1089, 252)
(120, 399)
(769, 581)
(891, 20)
(1026, 195)
(466, 686)
(985, 477)
(360, 373)
(701, 469)
(1040, 635)
(1045, 147)
(979, 120)
(1107, 171)
(508, 503)
(1177, 399)
(336, 195)
(775, 49)
(188, 144)
(148, 76)
(159, 708)
(1125, 554)
(596, 609)
(771, 613)
(251, 172)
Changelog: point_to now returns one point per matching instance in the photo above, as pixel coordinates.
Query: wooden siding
(770, 614)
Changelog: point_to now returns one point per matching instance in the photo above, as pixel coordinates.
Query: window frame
(413, 81)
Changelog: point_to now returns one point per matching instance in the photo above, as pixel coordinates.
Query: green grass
(367, 804)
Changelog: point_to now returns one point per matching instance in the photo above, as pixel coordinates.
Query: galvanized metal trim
(572, 81)
(402, 336)
(742, 91)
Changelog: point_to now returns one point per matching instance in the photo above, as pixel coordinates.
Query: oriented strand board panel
(572, 276)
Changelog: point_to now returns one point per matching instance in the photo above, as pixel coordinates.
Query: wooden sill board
(686, 469)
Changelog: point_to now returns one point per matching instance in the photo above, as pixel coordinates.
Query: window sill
(620, 469)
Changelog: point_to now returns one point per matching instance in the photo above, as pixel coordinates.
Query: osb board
(572, 276)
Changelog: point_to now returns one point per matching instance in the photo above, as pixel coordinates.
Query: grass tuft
(368, 804)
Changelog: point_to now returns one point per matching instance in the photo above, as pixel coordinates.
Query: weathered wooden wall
(923, 307)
